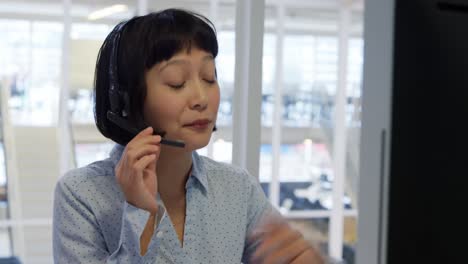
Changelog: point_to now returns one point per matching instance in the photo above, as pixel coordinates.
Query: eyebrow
(182, 61)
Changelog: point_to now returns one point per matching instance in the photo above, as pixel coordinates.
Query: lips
(198, 123)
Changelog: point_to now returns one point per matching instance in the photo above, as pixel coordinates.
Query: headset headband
(118, 99)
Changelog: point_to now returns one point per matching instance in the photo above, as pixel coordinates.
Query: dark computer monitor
(414, 156)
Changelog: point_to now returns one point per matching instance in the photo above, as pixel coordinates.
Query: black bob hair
(144, 41)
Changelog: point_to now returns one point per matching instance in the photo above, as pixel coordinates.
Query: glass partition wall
(304, 68)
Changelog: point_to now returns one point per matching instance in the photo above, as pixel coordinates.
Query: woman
(156, 200)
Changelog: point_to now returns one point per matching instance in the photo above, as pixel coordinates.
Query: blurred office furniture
(10, 260)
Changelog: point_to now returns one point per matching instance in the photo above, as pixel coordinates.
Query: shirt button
(159, 234)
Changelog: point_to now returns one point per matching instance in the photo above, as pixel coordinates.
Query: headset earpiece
(126, 104)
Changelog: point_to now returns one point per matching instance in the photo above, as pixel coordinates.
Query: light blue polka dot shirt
(94, 224)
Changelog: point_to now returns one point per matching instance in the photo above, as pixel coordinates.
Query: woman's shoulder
(223, 168)
(226, 173)
(94, 175)
(92, 191)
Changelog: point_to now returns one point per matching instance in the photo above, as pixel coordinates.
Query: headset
(119, 100)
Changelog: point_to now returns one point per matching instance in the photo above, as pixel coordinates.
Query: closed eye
(176, 86)
(210, 81)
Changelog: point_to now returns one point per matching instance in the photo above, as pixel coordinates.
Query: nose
(199, 100)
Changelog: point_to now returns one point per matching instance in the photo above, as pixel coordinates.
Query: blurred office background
(310, 109)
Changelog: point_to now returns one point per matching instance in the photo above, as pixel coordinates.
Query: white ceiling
(301, 15)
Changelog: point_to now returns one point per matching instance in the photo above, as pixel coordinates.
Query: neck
(173, 169)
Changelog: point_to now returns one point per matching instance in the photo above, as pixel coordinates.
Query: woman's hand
(136, 170)
(280, 243)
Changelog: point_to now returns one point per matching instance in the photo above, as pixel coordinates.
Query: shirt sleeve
(77, 237)
(259, 210)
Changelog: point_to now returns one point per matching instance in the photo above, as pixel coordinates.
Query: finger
(310, 256)
(129, 176)
(141, 164)
(152, 165)
(133, 155)
(144, 132)
(288, 252)
(144, 137)
(130, 157)
(275, 240)
(143, 140)
(140, 147)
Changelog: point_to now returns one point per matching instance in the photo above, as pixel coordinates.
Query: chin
(196, 143)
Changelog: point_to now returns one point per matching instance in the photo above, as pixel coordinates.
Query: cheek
(215, 98)
(146, 111)
(168, 110)
(164, 109)
(156, 110)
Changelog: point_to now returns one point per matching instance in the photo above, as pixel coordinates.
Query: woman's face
(183, 97)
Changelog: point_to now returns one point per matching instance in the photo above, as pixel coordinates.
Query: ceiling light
(107, 11)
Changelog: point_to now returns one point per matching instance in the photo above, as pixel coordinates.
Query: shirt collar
(116, 153)
(198, 168)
